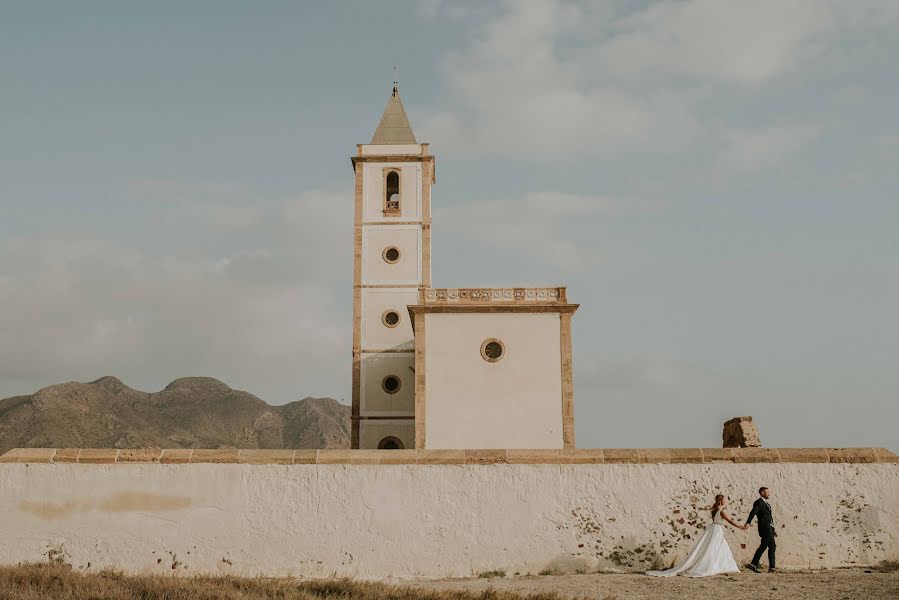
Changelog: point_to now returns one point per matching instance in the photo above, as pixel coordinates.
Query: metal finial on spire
(394, 126)
(395, 81)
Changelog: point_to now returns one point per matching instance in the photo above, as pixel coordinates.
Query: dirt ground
(840, 584)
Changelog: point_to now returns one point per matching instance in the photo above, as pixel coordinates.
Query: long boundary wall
(420, 513)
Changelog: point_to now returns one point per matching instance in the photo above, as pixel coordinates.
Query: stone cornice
(385, 158)
(489, 308)
(450, 457)
(422, 158)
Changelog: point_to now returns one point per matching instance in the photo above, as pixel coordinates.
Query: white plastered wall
(407, 270)
(431, 521)
(373, 431)
(401, 280)
(373, 191)
(374, 400)
(376, 335)
(513, 403)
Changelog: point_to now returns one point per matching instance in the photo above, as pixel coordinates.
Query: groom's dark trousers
(766, 531)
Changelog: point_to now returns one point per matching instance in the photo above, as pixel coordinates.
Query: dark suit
(762, 510)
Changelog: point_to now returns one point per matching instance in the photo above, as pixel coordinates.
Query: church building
(466, 368)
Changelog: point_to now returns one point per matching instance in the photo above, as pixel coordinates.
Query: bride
(711, 555)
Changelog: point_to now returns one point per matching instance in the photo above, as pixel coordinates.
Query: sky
(716, 182)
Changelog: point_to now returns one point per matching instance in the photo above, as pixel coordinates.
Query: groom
(762, 509)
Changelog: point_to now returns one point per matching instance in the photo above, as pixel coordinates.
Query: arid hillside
(193, 412)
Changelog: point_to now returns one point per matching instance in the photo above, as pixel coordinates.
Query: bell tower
(391, 262)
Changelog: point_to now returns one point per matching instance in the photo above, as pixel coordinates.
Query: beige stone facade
(391, 263)
(495, 369)
(518, 398)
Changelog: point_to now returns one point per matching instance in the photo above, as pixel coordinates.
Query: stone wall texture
(740, 432)
(434, 513)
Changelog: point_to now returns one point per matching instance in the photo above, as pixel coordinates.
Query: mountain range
(192, 412)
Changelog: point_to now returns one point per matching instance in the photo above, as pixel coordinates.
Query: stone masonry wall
(434, 514)
(740, 432)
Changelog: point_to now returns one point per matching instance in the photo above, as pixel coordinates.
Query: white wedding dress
(710, 556)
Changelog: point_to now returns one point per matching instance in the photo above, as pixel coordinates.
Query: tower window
(391, 254)
(391, 192)
(390, 318)
(390, 443)
(391, 384)
(492, 350)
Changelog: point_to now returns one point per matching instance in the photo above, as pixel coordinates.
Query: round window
(492, 350)
(390, 318)
(391, 254)
(390, 443)
(391, 384)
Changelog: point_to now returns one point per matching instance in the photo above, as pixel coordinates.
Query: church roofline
(491, 300)
(488, 307)
(394, 127)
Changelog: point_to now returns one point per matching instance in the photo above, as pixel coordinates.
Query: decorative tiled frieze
(482, 295)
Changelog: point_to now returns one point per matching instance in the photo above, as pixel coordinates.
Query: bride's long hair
(717, 505)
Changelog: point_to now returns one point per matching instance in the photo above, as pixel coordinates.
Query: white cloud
(751, 150)
(563, 81)
(554, 229)
(451, 9)
(77, 307)
(520, 97)
(733, 42)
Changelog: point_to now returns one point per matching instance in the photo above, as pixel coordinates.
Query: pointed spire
(394, 127)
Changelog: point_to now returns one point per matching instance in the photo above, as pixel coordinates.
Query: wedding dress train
(710, 556)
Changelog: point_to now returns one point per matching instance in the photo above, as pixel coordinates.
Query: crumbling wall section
(741, 432)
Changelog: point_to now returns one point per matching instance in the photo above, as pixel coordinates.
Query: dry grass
(833, 584)
(545, 572)
(491, 574)
(888, 566)
(57, 582)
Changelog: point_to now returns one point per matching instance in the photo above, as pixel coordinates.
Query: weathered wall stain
(854, 526)
(120, 502)
(57, 555)
(434, 520)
